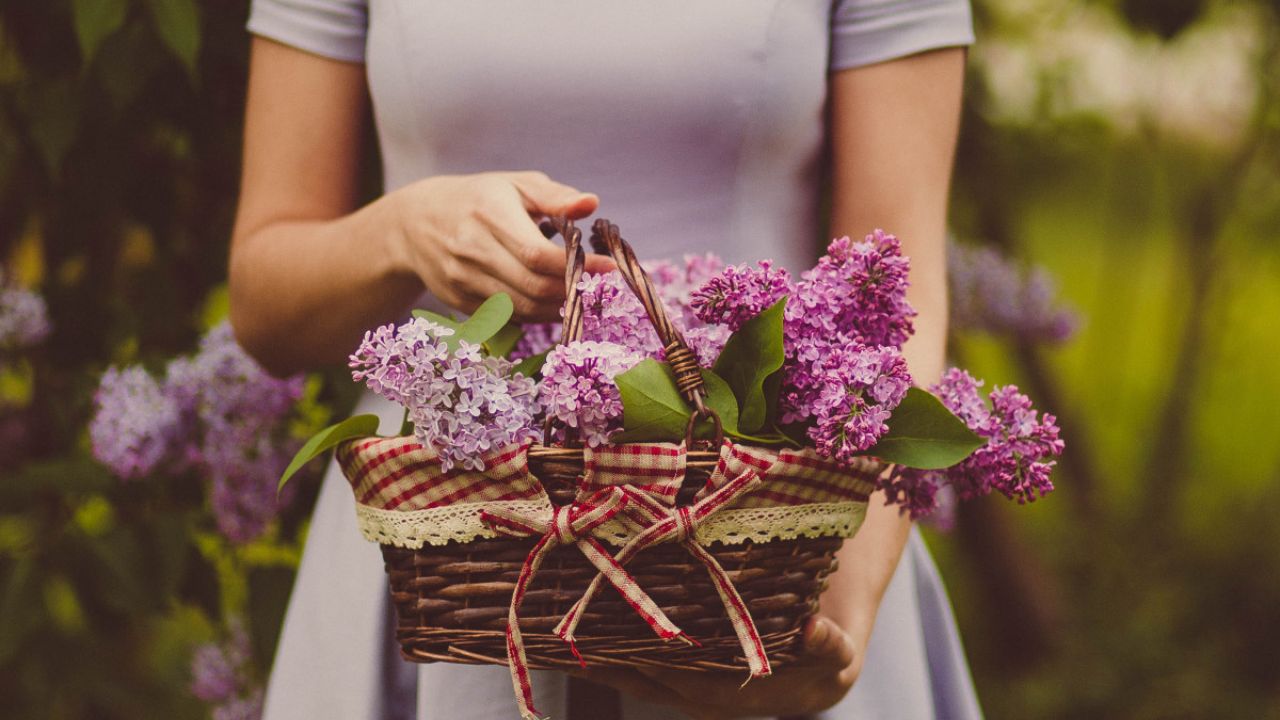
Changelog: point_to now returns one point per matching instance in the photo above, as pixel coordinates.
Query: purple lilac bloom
(1016, 460)
(24, 318)
(677, 281)
(612, 313)
(462, 404)
(855, 296)
(537, 338)
(248, 707)
(218, 669)
(578, 387)
(992, 294)
(858, 389)
(242, 447)
(136, 426)
(707, 341)
(740, 292)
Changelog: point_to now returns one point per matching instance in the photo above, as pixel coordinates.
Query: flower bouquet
(668, 482)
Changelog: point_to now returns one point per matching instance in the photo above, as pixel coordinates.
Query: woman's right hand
(467, 237)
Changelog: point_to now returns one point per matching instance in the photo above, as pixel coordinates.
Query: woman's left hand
(826, 672)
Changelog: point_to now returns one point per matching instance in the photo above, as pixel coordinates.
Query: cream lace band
(461, 523)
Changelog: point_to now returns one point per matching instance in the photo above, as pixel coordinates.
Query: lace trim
(461, 523)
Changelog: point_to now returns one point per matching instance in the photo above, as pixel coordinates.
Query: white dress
(701, 126)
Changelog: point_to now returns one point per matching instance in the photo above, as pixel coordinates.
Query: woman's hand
(467, 237)
(830, 665)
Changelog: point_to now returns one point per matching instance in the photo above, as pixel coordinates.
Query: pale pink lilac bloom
(578, 389)
(462, 404)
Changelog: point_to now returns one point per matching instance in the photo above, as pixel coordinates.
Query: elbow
(260, 344)
(252, 325)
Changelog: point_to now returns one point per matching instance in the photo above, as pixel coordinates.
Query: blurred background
(1123, 156)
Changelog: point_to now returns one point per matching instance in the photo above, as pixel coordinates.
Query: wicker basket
(454, 600)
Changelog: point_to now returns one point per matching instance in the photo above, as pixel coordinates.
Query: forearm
(303, 292)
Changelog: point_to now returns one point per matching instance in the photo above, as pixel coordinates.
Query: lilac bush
(1016, 460)
(989, 293)
(217, 412)
(137, 426)
(24, 317)
(220, 676)
(461, 403)
(578, 387)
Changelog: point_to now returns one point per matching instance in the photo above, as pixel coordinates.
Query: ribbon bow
(569, 525)
(680, 525)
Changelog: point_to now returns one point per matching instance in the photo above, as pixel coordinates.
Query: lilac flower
(677, 281)
(612, 313)
(740, 292)
(220, 676)
(855, 296)
(537, 338)
(858, 389)
(858, 290)
(1016, 461)
(242, 444)
(990, 293)
(462, 405)
(248, 707)
(578, 387)
(136, 426)
(24, 318)
(218, 669)
(706, 342)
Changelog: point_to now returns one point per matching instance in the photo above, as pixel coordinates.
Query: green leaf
(437, 318)
(95, 20)
(352, 427)
(532, 365)
(488, 320)
(924, 434)
(654, 411)
(752, 355)
(501, 344)
(178, 24)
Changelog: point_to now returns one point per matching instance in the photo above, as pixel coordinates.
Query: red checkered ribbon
(666, 524)
(569, 525)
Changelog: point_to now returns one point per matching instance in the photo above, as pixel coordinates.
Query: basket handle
(605, 237)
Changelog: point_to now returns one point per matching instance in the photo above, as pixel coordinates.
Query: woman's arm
(893, 128)
(310, 272)
(893, 131)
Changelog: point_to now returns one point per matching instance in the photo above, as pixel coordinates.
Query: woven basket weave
(452, 600)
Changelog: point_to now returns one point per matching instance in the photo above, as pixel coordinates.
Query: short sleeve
(871, 31)
(330, 28)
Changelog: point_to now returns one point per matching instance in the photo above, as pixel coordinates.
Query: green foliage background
(1148, 586)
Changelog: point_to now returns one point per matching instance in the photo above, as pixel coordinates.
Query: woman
(696, 125)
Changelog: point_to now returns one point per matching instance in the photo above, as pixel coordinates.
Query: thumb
(544, 196)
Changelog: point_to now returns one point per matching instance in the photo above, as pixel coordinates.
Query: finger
(513, 228)
(494, 261)
(544, 196)
(825, 643)
(599, 264)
